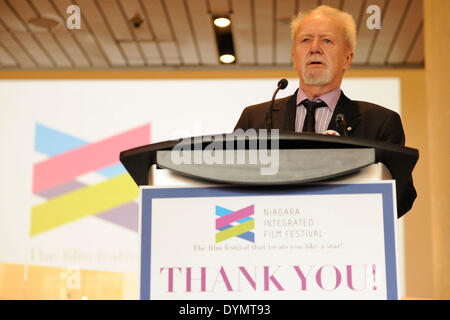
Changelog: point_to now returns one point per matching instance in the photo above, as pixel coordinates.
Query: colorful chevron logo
(56, 179)
(238, 223)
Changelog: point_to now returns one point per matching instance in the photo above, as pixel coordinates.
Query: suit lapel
(284, 113)
(349, 109)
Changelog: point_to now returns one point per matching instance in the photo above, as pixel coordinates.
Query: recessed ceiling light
(222, 22)
(224, 39)
(227, 58)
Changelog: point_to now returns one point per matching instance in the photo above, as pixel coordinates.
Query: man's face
(320, 53)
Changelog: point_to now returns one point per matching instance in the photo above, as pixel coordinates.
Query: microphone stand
(282, 84)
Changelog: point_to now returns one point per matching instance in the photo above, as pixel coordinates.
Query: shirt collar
(330, 98)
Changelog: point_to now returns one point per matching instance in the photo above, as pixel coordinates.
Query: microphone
(282, 84)
(341, 124)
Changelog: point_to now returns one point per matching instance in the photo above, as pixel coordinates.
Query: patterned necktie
(310, 120)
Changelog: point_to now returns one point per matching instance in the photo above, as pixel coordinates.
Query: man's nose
(315, 46)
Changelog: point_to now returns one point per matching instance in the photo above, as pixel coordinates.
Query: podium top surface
(398, 159)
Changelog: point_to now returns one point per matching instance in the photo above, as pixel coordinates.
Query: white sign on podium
(319, 241)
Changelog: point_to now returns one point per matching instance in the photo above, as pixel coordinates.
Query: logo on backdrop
(238, 223)
(64, 179)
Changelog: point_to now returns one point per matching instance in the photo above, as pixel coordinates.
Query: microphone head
(340, 118)
(282, 84)
(341, 124)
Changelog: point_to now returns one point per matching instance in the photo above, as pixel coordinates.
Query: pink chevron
(235, 216)
(67, 166)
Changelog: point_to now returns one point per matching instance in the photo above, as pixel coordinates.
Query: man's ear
(348, 60)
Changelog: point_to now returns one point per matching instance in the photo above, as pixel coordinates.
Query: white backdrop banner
(65, 200)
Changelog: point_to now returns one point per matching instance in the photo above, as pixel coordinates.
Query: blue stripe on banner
(51, 142)
(389, 241)
(112, 171)
(221, 211)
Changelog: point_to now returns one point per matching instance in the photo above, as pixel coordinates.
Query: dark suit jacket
(366, 120)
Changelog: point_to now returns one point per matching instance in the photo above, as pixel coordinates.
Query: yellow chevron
(83, 202)
(235, 231)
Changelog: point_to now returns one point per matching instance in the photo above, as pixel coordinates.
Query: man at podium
(323, 44)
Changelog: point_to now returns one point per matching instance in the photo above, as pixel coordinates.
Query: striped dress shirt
(323, 114)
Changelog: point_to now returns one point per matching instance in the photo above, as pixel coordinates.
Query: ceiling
(179, 33)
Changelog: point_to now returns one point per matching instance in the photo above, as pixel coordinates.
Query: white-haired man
(323, 44)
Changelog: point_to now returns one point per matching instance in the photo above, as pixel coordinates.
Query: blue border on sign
(385, 189)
